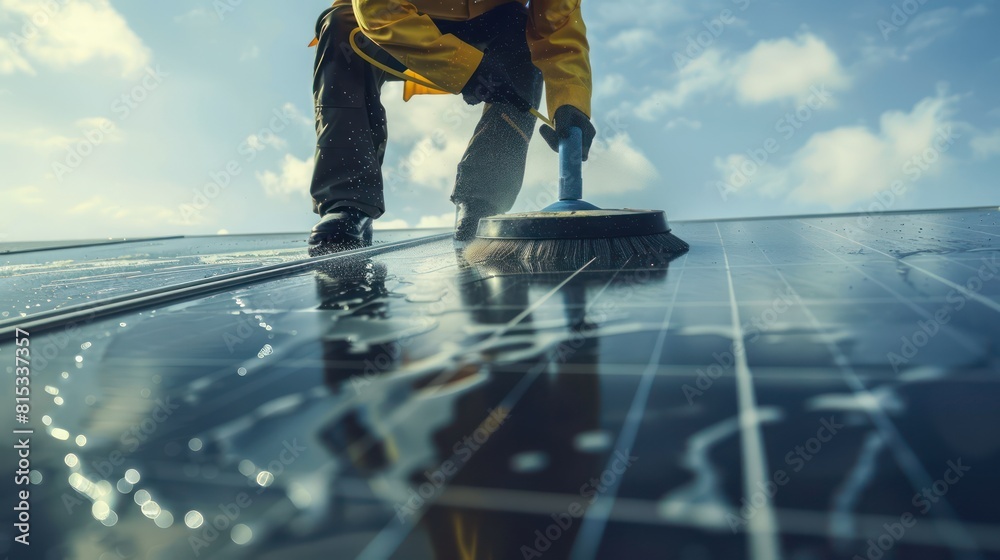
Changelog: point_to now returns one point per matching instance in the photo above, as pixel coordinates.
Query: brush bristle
(547, 255)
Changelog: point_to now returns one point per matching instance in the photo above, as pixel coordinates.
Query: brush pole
(571, 165)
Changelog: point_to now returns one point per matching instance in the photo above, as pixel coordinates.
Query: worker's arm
(557, 37)
(414, 40)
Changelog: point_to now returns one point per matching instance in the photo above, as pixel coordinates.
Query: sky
(124, 119)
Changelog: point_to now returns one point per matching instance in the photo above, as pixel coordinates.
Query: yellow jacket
(556, 35)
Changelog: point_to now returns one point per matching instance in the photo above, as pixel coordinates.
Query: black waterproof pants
(351, 125)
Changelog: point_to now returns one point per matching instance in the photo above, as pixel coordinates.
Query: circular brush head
(580, 224)
(559, 241)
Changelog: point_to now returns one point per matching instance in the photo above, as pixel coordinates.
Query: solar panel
(810, 387)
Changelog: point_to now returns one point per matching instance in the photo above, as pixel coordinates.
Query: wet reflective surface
(795, 388)
(38, 277)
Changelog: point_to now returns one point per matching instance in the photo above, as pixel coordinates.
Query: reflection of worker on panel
(473, 428)
(537, 446)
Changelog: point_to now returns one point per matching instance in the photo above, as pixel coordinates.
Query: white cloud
(391, 224)
(87, 206)
(609, 85)
(111, 132)
(917, 34)
(709, 71)
(77, 32)
(615, 166)
(250, 53)
(928, 27)
(774, 70)
(986, 145)
(293, 178)
(693, 124)
(36, 138)
(977, 10)
(199, 13)
(260, 142)
(632, 41)
(652, 13)
(787, 69)
(445, 220)
(431, 132)
(850, 164)
(433, 160)
(45, 140)
(932, 20)
(618, 168)
(28, 195)
(291, 111)
(124, 212)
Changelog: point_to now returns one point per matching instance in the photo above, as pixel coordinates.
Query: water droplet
(150, 509)
(241, 534)
(141, 497)
(265, 479)
(193, 519)
(164, 520)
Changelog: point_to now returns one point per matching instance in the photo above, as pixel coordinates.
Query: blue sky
(194, 116)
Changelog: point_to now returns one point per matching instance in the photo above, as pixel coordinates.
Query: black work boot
(344, 228)
(467, 215)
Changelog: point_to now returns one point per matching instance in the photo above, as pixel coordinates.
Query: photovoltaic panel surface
(820, 387)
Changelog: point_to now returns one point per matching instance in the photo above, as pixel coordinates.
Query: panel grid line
(903, 453)
(391, 537)
(971, 295)
(596, 519)
(763, 542)
(950, 330)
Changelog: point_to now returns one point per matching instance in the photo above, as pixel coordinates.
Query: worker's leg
(350, 121)
(492, 170)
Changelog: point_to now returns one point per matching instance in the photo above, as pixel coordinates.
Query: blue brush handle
(571, 175)
(571, 165)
